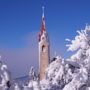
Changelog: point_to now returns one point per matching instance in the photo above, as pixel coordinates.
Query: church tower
(44, 53)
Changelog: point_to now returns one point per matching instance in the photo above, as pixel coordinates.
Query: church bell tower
(44, 52)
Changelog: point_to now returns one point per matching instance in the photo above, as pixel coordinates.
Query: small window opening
(43, 48)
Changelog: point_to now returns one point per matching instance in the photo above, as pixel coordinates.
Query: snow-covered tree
(5, 77)
(81, 44)
(34, 82)
(58, 74)
(32, 74)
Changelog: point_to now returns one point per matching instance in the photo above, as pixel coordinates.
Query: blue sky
(20, 22)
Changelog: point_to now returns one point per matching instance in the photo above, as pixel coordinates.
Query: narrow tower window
(43, 48)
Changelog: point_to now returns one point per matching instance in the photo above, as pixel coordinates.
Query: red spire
(43, 29)
(43, 21)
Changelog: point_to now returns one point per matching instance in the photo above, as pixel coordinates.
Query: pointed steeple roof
(43, 28)
(43, 21)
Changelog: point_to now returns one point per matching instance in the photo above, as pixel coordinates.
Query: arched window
(43, 48)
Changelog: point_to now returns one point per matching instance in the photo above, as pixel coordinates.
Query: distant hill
(24, 79)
